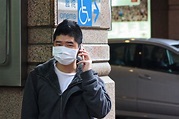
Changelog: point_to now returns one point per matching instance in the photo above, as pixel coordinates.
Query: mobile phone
(81, 48)
(80, 57)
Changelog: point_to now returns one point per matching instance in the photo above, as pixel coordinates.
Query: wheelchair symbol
(83, 14)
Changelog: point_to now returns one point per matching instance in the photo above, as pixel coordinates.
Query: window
(156, 58)
(125, 54)
(144, 56)
(177, 46)
(174, 62)
(117, 52)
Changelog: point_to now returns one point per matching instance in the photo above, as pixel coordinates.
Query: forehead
(65, 38)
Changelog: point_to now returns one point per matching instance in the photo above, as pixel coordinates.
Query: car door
(158, 89)
(125, 79)
(124, 76)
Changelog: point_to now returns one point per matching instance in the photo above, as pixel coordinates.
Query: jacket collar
(46, 70)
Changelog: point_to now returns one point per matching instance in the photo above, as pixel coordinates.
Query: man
(64, 87)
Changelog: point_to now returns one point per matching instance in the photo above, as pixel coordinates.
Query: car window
(154, 58)
(145, 56)
(117, 54)
(125, 54)
(137, 54)
(177, 46)
(174, 62)
(159, 59)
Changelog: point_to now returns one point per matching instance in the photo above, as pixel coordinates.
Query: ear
(53, 42)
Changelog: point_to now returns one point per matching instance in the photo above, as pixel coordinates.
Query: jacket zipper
(61, 113)
(60, 94)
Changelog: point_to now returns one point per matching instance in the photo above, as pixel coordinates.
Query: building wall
(42, 21)
(41, 24)
(165, 19)
(159, 18)
(173, 29)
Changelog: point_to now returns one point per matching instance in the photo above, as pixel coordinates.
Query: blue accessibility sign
(85, 12)
(88, 12)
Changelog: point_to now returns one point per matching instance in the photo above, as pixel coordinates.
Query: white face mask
(64, 55)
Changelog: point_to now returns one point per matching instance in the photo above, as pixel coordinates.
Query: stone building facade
(41, 23)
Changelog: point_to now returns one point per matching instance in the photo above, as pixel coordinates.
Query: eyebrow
(69, 42)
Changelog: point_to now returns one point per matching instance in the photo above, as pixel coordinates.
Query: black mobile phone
(80, 57)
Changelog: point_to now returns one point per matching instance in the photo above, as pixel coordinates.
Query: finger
(85, 55)
(85, 62)
(80, 51)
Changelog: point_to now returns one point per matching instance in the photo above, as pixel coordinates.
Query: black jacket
(85, 97)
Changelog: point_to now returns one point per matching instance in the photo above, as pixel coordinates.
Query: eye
(70, 44)
(58, 43)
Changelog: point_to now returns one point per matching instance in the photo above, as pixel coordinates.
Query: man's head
(66, 40)
(69, 28)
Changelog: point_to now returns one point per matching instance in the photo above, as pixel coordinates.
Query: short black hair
(70, 28)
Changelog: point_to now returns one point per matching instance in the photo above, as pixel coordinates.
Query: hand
(86, 60)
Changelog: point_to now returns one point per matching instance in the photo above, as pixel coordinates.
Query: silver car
(146, 75)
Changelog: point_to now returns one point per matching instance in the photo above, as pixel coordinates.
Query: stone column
(42, 21)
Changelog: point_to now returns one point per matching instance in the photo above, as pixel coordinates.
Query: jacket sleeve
(95, 95)
(29, 103)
